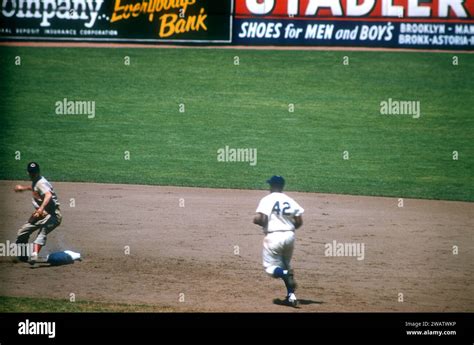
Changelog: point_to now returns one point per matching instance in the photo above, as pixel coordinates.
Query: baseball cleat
(295, 303)
(292, 300)
(287, 302)
(33, 258)
(291, 279)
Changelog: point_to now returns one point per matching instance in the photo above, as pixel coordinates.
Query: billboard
(117, 20)
(434, 24)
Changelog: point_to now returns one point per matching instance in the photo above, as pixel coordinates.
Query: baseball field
(165, 224)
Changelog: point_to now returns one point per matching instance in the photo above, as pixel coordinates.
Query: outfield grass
(43, 305)
(337, 108)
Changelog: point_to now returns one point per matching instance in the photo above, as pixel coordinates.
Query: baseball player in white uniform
(279, 215)
(46, 216)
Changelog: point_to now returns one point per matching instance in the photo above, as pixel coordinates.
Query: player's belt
(269, 232)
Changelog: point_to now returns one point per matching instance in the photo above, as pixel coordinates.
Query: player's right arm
(260, 219)
(21, 188)
(262, 214)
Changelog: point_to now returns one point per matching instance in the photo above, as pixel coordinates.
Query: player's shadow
(47, 264)
(282, 302)
(309, 301)
(40, 266)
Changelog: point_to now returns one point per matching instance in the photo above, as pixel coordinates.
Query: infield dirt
(206, 256)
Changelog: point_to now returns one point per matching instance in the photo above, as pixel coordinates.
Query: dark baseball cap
(276, 180)
(33, 167)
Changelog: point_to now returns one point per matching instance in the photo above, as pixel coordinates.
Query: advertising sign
(117, 20)
(436, 24)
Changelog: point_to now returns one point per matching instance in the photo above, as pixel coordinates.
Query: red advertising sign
(353, 9)
(432, 24)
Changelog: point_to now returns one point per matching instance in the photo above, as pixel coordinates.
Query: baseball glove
(36, 216)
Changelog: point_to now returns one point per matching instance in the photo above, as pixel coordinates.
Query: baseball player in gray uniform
(279, 215)
(47, 215)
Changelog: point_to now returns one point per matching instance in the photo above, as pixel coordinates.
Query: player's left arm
(47, 195)
(46, 200)
(298, 215)
(260, 219)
